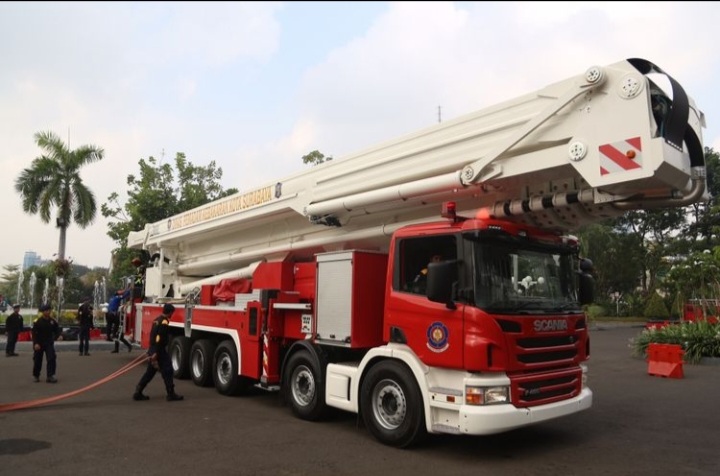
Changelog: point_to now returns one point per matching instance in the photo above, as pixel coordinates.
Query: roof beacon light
(449, 210)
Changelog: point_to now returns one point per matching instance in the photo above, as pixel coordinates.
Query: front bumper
(491, 419)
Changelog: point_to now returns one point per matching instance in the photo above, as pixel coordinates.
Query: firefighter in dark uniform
(85, 319)
(138, 279)
(45, 332)
(159, 359)
(13, 327)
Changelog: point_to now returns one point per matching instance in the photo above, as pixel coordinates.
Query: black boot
(171, 395)
(138, 395)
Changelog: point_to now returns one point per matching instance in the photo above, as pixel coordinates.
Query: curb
(72, 346)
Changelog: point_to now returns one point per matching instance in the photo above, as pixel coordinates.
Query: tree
(616, 260)
(9, 282)
(654, 231)
(315, 158)
(53, 182)
(156, 194)
(655, 308)
(696, 277)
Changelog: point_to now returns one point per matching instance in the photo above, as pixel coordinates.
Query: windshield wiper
(513, 306)
(568, 306)
(532, 306)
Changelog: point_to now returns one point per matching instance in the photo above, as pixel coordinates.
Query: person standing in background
(115, 332)
(13, 327)
(85, 319)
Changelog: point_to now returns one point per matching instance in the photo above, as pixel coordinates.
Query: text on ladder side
(234, 204)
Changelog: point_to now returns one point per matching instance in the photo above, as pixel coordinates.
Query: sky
(254, 86)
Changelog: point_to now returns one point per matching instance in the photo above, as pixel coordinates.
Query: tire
(201, 362)
(392, 406)
(226, 371)
(304, 387)
(179, 349)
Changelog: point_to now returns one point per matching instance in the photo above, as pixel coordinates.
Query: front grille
(535, 342)
(531, 352)
(545, 357)
(542, 388)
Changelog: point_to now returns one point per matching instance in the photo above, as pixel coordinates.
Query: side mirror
(586, 291)
(440, 282)
(586, 288)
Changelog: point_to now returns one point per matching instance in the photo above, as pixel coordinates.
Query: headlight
(486, 395)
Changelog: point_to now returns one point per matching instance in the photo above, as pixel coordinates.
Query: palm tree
(53, 182)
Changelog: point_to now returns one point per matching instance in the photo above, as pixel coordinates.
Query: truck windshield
(520, 276)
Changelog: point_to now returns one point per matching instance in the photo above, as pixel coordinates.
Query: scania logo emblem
(550, 325)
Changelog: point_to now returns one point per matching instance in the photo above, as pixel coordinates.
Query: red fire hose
(6, 407)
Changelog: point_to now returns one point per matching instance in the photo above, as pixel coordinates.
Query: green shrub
(697, 338)
(594, 311)
(656, 308)
(67, 318)
(676, 308)
(635, 304)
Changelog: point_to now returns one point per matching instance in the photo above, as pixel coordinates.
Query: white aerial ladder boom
(575, 152)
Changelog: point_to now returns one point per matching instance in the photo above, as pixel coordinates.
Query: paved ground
(640, 425)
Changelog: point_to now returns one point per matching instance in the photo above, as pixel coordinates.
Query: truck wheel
(201, 362)
(303, 387)
(226, 371)
(179, 349)
(392, 406)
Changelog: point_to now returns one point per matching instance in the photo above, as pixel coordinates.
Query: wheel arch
(216, 334)
(316, 352)
(406, 357)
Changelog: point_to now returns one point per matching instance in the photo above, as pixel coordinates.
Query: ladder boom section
(577, 151)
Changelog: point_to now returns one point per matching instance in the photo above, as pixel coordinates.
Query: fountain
(21, 279)
(60, 283)
(46, 291)
(97, 298)
(31, 290)
(103, 286)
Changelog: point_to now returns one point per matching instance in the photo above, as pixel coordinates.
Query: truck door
(431, 329)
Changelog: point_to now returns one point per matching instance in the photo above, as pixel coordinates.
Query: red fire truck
(429, 283)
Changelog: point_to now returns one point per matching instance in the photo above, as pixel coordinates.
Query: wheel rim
(198, 364)
(224, 368)
(303, 386)
(389, 404)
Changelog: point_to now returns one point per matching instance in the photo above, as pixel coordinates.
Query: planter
(710, 361)
(24, 336)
